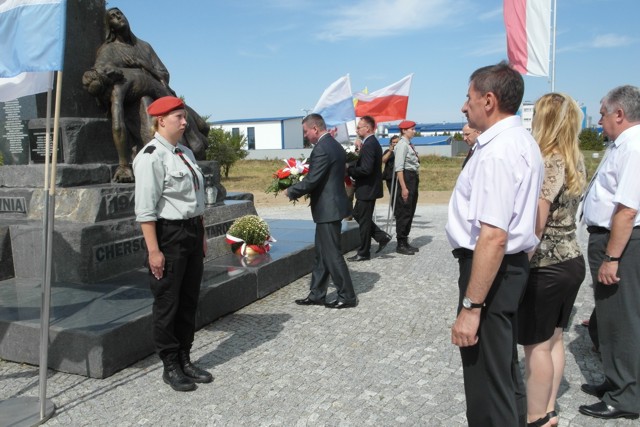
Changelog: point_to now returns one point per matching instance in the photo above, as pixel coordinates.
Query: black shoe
(308, 301)
(196, 374)
(358, 258)
(607, 412)
(178, 381)
(596, 390)
(339, 304)
(404, 250)
(383, 243)
(413, 248)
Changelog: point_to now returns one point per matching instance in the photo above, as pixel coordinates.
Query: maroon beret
(406, 124)
(164, 105)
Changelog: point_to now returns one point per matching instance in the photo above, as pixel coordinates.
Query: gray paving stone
(388, 362)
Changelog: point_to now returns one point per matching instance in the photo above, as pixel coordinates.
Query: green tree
(226, 149)
(591, 140)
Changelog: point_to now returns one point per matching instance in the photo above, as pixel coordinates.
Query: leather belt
(181, 222)
(594, 229)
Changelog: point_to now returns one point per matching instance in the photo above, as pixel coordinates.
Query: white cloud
(379, 18)
(603, 41)
(487, 16)
(611, 40)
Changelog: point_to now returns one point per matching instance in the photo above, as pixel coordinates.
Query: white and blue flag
(336, 103)
(32, 36)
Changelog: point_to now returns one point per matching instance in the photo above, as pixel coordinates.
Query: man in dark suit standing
(329, 204)
(367, 171)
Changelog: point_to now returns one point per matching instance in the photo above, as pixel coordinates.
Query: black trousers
(330, 263)
(404, 211)
(175, 295)
(619, 322)
(493, 386)
(363, 214)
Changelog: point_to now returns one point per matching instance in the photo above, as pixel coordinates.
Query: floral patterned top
(559, 242)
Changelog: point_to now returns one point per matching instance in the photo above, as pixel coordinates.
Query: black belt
(181, 222)
(594, 229)
(462, 253)
(410, 171)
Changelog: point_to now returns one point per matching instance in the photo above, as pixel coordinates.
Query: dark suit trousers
(363, 214)
(619, 322)
(493, 385)
(330, 263)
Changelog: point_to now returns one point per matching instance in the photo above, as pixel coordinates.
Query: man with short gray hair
(610, 211)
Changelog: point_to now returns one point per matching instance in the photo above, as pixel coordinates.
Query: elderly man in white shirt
(491, 226)
(611, 214)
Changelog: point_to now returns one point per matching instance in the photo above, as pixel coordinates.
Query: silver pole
(392, 203)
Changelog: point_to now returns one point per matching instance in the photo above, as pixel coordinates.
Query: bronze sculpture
(126, 78)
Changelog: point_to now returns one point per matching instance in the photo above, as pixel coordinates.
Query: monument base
(100, 329)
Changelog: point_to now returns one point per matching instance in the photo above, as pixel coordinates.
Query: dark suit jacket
(325, 181)
(367, 170)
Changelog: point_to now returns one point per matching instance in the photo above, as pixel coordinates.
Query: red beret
(164, 105)
(406, 124)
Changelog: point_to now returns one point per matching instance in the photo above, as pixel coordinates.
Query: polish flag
(386, 104)
(528, 25)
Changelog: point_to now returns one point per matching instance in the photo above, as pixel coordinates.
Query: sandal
(552, 414)
(539, 422)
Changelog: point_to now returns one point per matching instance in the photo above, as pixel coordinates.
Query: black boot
(174, 376)
(192, 371)
(413, 248)
(403, 247)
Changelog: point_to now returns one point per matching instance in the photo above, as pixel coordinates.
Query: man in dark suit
(367, 171)
(329, 204)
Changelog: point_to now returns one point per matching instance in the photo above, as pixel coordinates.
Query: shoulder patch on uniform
(150, 149)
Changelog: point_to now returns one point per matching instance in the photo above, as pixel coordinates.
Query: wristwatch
(609, 258)
(468, 304)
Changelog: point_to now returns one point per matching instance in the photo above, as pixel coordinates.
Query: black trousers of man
(493, 386)
(404, 211)
(330, 263)
(619, 322)
(363, 214)
(175, 295)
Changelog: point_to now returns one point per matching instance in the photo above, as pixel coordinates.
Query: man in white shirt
(611, 214)
(491, 226)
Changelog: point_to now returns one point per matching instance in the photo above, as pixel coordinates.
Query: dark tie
(416, 153)
(196, 181)
(469, 154)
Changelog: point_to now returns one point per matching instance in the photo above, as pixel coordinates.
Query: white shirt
(499, 186)
(616, 182)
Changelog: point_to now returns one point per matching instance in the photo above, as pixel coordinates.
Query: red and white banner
(528, 25)
(386, 104)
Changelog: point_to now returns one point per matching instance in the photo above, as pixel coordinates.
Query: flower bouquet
(249, 236)
(285, 177)
(352, 153)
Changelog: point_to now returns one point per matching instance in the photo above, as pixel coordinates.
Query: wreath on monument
(249, 235)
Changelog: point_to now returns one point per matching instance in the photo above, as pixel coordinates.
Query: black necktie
(469, 154)
(196, 181)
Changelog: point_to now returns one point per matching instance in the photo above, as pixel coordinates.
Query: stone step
(100, 329)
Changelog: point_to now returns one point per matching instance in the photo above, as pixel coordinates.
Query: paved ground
(388, 362)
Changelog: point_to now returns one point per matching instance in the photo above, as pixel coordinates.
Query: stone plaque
(113, 251)
(38, 148)
(13, 205)
(14, 139)
(219, 229)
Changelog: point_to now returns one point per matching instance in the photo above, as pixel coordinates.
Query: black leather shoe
(307, 301)
(383, 243)
(404, 250)
(596, 390)
(339, 304)
(358, 258)
(413, 248)
(607, 412)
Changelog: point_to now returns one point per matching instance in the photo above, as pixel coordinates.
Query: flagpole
(553, 48)
(47, 408)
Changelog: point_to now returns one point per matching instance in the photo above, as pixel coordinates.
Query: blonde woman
(557, 265)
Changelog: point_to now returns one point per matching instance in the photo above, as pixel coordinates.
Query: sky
(245, 59)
